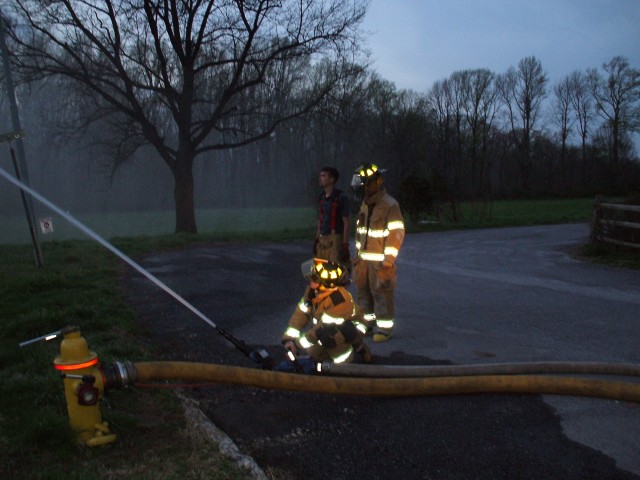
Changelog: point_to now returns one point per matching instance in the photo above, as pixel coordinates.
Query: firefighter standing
(326, 323)
(334, 220)
(379, 236)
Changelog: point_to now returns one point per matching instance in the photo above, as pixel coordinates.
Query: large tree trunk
(183, 194)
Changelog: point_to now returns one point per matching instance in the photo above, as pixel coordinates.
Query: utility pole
(20, 163)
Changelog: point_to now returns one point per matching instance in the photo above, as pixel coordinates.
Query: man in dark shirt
(334, 220)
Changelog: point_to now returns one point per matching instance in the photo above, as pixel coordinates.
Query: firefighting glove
(345, 256)
(291, 346)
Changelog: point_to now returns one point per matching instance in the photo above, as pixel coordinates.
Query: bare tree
(617, 100)
(441, 104)
(189, 77)
(562, 115)
(582, 107)
(522, 92)
(456, 89)
(446, 100)
(479, 109)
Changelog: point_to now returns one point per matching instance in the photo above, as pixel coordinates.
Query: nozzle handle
(296, 364)
(48, 336)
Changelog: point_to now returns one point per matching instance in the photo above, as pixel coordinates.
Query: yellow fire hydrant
(83, 387)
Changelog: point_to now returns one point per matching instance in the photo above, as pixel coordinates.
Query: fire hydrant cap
(74, 350)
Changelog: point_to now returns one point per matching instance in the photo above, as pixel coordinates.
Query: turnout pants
(375, 288)
(329, 247)
(335, 342)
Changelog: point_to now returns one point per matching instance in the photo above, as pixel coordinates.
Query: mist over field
(223, 131)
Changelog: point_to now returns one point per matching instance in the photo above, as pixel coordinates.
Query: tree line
(220, 104)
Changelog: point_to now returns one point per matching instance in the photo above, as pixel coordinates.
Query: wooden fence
(616, 223)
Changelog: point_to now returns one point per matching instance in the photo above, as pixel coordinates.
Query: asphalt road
(482, 296)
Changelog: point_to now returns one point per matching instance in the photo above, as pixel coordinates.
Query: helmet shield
(356, 181)
(305, 267)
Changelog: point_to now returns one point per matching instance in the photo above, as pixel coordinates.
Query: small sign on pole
(46, 225)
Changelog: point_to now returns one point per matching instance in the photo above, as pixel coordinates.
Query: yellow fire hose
(589, 368)
(386, 387)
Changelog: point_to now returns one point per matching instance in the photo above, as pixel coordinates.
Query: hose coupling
(119, 375)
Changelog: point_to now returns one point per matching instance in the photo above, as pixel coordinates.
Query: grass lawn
(507, 213)
(286, 223)
(79, 286)
(218, 222)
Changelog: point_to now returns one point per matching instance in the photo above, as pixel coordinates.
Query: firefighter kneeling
(327, 324)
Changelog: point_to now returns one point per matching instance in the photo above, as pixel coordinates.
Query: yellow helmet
(328, 274)
(368, 170)
(364, 173)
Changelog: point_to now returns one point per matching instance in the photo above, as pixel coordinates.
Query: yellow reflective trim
(393, 251)
(369, 316)
(372, 257)
(396, 225)
(373, 233)
(344, 356)
(385, 323)
(326, 318)
(361, 327)
(304, 343)
(292, 332)
(302, 305)
(378, 233)
(358, 245)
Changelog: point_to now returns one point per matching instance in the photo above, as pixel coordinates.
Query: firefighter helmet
(365, 173)
(328, 274)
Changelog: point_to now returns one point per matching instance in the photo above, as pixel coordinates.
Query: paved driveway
(495, 295)
(516, 294)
